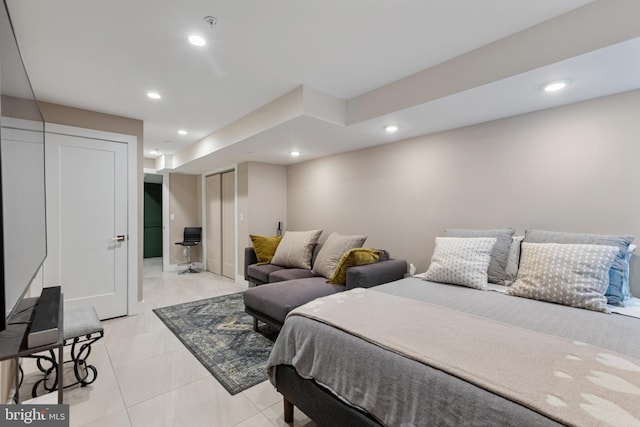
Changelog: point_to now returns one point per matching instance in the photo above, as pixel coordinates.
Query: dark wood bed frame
(317, 402)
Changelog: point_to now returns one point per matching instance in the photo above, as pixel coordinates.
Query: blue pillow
(625, 277)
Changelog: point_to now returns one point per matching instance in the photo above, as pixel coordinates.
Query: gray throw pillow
(500, 251)
(332, 251)
(513, 260)
(618, 274)
(295, 249)
(570, 274)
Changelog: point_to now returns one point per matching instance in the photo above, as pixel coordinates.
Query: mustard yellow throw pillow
(265, 247)
(353, 257)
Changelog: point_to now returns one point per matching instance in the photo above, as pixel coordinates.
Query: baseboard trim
(136, 308)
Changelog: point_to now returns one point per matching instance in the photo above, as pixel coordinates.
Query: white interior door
(86, 214)
(214, 223)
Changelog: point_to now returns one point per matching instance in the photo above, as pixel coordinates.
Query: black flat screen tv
(22, 189)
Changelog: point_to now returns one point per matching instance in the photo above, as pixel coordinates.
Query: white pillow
(296, 248)
(576, 275)
(461, 261)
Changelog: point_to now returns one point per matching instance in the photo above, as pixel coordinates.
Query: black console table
(13, 342)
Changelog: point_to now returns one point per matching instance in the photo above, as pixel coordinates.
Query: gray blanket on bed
(400, 391)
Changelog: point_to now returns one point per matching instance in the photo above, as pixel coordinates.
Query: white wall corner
(240, 280)
(324, 106)
(164, 163)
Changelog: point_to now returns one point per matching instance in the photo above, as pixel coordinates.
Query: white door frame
(166, 223)
(133, 305)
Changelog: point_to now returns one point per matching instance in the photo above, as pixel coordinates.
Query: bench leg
(255, 324)
(48, 383)
(85, 374)
(288, 411)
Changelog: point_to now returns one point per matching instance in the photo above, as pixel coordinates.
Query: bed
(540, 363)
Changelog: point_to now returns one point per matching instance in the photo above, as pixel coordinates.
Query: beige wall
(185, 202)
(19, 108)
(262, 202)
(267, 198)
(572, 168)
(149, 163)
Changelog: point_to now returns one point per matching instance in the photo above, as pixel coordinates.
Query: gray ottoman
(271, 302)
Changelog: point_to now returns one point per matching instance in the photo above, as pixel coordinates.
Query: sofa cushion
(332, 251)
(262, 272)
(276, 300)
(289, 274)
(296, 248)
(265, 247)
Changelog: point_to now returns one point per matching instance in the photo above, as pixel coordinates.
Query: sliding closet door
(228, 224)
(213, 184)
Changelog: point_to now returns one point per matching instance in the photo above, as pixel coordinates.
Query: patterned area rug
(220, 335)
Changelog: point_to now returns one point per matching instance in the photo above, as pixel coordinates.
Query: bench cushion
(81, 321)
(276, 300)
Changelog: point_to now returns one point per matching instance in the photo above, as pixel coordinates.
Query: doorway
(152, 216)
(220, 223)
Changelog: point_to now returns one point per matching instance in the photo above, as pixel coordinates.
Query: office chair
(192, 236)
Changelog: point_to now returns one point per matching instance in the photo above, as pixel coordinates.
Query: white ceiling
(105, 56)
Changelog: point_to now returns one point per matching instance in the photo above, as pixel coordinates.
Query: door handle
(118, 238)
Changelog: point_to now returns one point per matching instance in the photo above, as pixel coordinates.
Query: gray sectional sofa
(274, 291)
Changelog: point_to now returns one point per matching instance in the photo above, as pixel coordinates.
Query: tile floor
(146, 377)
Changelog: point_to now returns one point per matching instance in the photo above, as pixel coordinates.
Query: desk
(13, 342)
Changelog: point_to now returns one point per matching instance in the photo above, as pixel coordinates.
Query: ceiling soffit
(455, 81)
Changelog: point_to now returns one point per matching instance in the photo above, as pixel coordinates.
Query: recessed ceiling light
(555, 86)
(391, 128)
(156, 151)
(153, 95)
(197, 40)
(294, 153)
(182, 132)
